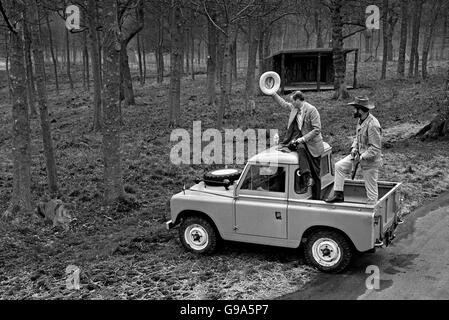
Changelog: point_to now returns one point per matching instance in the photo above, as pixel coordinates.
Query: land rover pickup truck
(261, 205)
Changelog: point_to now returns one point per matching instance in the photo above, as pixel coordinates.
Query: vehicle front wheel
(328, 251)
(198, 235)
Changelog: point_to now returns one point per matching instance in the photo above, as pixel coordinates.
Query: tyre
(198, 235)
(328, 251)
(218, 177)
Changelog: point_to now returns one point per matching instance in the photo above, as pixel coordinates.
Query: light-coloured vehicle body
(285, 218)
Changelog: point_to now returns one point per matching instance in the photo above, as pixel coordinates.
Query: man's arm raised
(281, 102)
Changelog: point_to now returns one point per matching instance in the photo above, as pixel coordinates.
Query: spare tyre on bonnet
(220, 177)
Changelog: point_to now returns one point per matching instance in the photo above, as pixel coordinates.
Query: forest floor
(125, 252)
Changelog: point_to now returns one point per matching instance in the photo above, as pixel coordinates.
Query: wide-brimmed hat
(362, 102)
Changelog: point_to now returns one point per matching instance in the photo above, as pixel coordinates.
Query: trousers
(312, 165)
(370, 175)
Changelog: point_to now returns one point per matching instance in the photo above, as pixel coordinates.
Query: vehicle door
(261, 201)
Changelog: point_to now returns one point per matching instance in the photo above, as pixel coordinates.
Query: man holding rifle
(366, 150)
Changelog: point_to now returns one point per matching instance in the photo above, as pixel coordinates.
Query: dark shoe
(338, 197)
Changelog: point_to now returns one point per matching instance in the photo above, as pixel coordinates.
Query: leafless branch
(5, 17)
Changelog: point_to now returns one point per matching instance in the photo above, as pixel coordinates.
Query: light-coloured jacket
(368, 142)
(311, 126)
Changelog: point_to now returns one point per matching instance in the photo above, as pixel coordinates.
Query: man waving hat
(367, 148)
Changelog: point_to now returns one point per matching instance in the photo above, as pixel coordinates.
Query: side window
(300, 183)
(265, 178)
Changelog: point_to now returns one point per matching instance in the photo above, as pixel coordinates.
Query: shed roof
(308, 51)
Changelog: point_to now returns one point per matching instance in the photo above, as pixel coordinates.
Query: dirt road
(416, 266)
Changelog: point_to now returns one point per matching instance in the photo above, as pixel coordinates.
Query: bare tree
(94, 44)
(443, 52)
(176, 61)
(21, 195)
(130, 27)
(435, 13)
(52, 51)
(403, 42)
(211, 57)
(414, 53)
(68, 60)
(31, 89)
(111, 129)
(38, 54)
(386, 32)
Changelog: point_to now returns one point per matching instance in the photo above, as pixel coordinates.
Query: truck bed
(386, 210)
(355, 191)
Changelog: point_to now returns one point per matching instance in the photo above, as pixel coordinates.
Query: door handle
(278, 215)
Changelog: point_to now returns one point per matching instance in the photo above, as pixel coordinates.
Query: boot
(338, 197)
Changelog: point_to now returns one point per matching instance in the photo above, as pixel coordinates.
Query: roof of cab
(274, 156)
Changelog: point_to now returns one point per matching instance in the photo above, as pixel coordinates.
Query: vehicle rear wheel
(198, 235)
(328, 251)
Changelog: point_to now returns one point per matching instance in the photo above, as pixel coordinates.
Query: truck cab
(263, 206)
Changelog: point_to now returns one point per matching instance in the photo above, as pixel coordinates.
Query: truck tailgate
(387, 209)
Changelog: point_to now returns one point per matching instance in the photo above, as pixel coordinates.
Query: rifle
(355, 165)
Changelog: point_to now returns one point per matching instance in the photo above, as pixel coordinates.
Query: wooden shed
(308, 69)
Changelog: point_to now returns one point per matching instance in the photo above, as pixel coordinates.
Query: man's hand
(354, 153)
(298, 141)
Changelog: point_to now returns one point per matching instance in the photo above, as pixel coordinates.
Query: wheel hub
(326, 252)
(196, 237)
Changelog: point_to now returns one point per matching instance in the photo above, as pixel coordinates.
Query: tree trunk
(74, 53)
(251, 68)
(186, 50)
(139, 57)
(368, 42)
(198, 52)
(443, 53)
(221, 45)
(21, 195)
(264, 47)
(68, 67)
(414, 54)
(86, 54)
(96, 63)
(211, 60)
(341, 91)
(42, 103)
(403, 44)
(416, 67)
(385, 27)
(52, 51)
(226, 83)
(144, 58)
(192, 53)
(84, 62)
(159, 51)
(113, 184)
(234, 74)
(8, 74)
(392, 21)
(429, 35)
(31, 91)
(176, 62)
(261, 47)
(127, 83)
